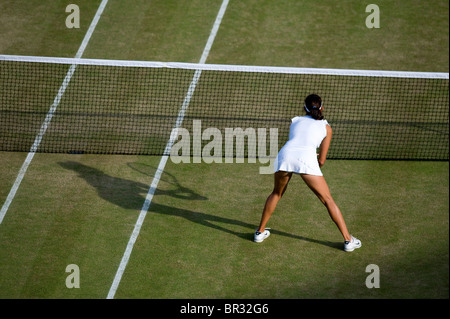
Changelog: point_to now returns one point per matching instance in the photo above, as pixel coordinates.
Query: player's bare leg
(281, 180)
(320, 187)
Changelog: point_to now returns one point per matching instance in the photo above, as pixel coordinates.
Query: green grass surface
(33, 27)
(196, 239)
(413, 35)
(202, 231)
(170, 30)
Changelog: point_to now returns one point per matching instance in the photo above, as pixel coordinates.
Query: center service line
(162, 163)
(51, 112)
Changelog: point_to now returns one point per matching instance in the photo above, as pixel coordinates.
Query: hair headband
(314, 107)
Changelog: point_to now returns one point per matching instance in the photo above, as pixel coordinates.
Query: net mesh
(107, 107)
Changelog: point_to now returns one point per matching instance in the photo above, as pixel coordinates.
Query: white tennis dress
(299, 154)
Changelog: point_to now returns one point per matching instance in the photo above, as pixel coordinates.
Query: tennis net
(63, 105)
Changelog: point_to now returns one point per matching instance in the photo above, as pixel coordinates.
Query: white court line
(51, 112)
(162, 163)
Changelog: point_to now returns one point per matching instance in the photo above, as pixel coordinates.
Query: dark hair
(313, 106)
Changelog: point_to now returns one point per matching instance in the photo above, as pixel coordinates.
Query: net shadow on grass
(129, 194)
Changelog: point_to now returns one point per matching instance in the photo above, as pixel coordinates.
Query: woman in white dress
(299, 155)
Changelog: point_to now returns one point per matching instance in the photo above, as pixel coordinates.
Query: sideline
(162, 163)
(51, 112)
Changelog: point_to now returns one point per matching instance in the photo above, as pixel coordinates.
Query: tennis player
(298, 155)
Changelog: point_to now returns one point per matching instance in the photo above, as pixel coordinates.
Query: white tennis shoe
(260, 236)
(352, 244)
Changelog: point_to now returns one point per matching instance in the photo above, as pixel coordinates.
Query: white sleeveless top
(299, 154)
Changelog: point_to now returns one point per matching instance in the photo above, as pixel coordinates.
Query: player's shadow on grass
(213, 222)
(130, 194)
(122, 192)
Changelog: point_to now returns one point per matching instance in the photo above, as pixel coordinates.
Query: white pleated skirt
(297, 160)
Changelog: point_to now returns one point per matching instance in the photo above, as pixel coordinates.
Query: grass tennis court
(196, 240)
